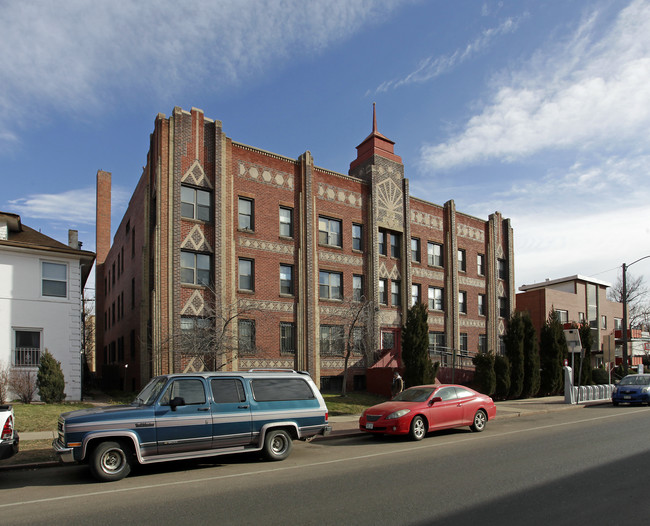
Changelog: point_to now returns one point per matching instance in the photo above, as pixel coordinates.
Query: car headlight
(398, 414)
(645, 389)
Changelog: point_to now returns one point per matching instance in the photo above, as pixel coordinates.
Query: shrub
(50, 381)
(23, 384)
(484, 376)
(4, 383)
(502, 374)
(599, 376)
(418, 368)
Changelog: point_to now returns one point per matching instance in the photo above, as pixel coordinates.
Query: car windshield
(414, 394)
(151, 391)
(635, 380)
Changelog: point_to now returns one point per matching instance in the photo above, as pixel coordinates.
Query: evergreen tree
(484, 376)
(502, 375)
(49, 380)
(514, 342)
(584, 367)
(531, 358)
(418, 369)
(552, 351)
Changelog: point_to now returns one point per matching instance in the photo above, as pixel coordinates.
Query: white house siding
(22, 306)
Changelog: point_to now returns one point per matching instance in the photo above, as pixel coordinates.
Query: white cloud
(74, 56)
(434, 66)
(590, 91)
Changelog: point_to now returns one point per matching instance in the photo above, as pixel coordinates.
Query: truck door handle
(243, 407)
(203, 409)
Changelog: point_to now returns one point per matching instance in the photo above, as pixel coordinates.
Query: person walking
(398, 384)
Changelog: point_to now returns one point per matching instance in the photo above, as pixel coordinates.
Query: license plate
(627, 397)
(369, 425)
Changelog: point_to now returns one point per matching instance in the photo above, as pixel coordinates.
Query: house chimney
(73, 239)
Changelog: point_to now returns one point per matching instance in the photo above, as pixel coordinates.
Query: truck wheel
(109, 461)
(277, 445)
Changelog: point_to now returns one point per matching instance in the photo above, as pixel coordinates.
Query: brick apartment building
(216, 226)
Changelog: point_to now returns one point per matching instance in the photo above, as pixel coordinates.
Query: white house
(41, 284)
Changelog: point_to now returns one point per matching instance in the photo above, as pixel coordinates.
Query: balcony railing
(27, 356)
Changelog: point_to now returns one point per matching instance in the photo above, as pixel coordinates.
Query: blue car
(633, 389)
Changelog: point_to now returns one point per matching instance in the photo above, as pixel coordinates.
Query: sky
(537, 109)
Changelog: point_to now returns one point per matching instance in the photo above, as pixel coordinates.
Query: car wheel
(109, 461)
(418, 428)
(480, 421)
(277, 445)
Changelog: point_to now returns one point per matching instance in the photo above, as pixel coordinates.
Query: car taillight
(327, 415)
(8, 429)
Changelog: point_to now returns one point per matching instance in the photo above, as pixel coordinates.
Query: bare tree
(354, 315)
(637, 293)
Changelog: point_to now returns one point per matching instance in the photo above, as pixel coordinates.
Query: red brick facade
(191, 153)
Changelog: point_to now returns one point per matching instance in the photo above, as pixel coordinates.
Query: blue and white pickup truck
(183, 416)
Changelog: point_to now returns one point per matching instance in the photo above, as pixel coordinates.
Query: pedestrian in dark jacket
(398, 384)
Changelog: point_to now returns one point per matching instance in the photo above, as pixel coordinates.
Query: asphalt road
(587, 466)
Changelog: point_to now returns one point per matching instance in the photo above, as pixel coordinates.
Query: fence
(577, 394)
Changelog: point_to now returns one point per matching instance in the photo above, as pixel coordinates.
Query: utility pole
(625, 267)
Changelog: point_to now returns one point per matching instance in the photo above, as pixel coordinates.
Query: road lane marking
(409, 449)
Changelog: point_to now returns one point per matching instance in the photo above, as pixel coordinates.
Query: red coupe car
(424, 408)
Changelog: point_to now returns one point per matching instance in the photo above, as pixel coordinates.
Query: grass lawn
(41, 417)
(352, 404)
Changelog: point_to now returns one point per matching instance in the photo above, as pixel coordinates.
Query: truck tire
(110, 461)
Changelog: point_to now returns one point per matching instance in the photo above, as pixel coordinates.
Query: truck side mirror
(176, 401)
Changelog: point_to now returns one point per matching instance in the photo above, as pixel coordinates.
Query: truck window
(227, 390)
(277, 389)
(189, 389)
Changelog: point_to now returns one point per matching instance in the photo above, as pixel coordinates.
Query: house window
(387, 340)
(287, 338)
(330, 285)
(195, 203)
(246, 217)
(434, 254)
(436, 342)
(463, 344)
(383, 291)
(357, 233)
(435, 298)
(246, 336)
(415, 294)
(54, 279)
(286, 222)
(381, 243)
(482, 343)
(480, 264)
(563, 315)
(286, 279)
(618, 324)
(394, 245)
(503, 307)
(357, 287)
(358, 340)
(581, 317)
(329, 232)
(195, 268)
(502, 269)
(415, 250)
(246, 274)
(603, 322)
(462, 260)
(462, 302)
(331, 340)
(481, 305)
(395, 293)
(27, 351)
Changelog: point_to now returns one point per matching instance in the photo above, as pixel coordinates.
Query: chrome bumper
(326, 430)
(65, 454)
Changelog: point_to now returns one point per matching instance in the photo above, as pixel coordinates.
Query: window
(462, 302)
(358, 340)
(462, 260)
(394, 245)
(246, 336)
(618, 324)
(287, 338)
(246, 218)
(395, 293)
(329, 232)
(415, 250)
(502, 269)
(387, 340)
(195, 268)
(357, 240)
(562, 315)
(286, 222)
(482, 343)
(481, 305)
(436, 298)
(357, 287)
(502, 345)
(480, 264)
(330, 285)
(503, 307)
(581, 317)
(246, 274)
(227, 390)
(381, 243)
(434, 254)
(383, 291)
(286, 279)
(27, 351)
(195, 203)
(189, 389)
(195, 324)
(415, 294)
(272, 389)
(331, 340)
(436, 342)
(463, 344)
(603, 322)
(54, 279)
